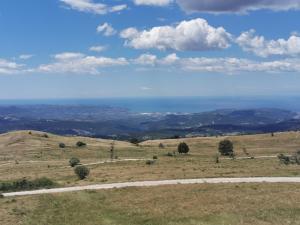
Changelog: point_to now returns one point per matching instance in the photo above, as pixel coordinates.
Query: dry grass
(245, 204)
(38, 156)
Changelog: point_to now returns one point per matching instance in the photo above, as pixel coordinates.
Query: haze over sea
(174, 104)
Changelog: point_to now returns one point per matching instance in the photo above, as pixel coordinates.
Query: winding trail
(158, 183)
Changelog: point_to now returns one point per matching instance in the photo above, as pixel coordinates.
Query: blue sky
(94, 48)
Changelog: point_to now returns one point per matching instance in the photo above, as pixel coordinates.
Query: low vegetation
(25, 184)
(82, 172)
(62, 145)
(74, 162)
(80, 144)
(290, 159)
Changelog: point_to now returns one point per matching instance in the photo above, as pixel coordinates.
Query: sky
(146, 48)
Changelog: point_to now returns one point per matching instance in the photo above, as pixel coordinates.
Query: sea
(173, 104)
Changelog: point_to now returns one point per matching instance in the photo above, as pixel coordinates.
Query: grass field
(244, 204)
(37, 156)
(32, 155)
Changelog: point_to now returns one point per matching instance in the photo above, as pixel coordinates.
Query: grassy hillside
(244, 204)
(34, 154)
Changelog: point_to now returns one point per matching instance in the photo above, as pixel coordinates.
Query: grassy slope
(38, 156)
(244, 204)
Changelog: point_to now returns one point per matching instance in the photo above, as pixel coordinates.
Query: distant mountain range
(112, 122)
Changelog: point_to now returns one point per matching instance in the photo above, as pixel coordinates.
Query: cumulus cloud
(9, 67)
(90, 6)
(264, 48)
(193, 35)
(79, 63)
(219, 65)
(237, 6)
(153, 2)
(98, 48)
(106, 29)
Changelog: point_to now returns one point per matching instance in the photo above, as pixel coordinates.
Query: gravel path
(159, 183)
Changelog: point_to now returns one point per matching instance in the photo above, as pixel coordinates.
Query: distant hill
(109, 122)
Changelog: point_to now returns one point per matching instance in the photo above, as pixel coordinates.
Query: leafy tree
(226, 148)
(82, 172)
(183, 148)
(74, 161)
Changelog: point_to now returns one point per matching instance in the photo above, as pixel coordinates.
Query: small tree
(74, 161)
(183, 148)
(82, 172)
(226, 148)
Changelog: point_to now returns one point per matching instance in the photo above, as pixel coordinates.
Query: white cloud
(219, 65)
(9, 67)
(153, 2)
(106, 29)
(144, 88)
(193, 35)
(146, 59)
(264, 48)
(90, 6)
(98, 48)
(80, 63)
(68, 55)
(25, 56)
(237, 6)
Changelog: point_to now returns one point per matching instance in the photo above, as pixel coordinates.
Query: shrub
(284, 159)
(25, 184)
(74, 161)
(226, 148)
(1, 195)
(82, 172)
(80, 144)
(183, 148)
(45, 135)
(150, 162)
(293, 159)
(62, 145)
(155, 157)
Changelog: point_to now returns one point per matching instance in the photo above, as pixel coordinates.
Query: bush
(183, 148)
(1, 195)
(82, 172)
(80, 144)
(74, 161)
(25, 184)
(62, 145)
(150, 162)
(293, 159)
(45, 136)
(155, 157)
(226, 148)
